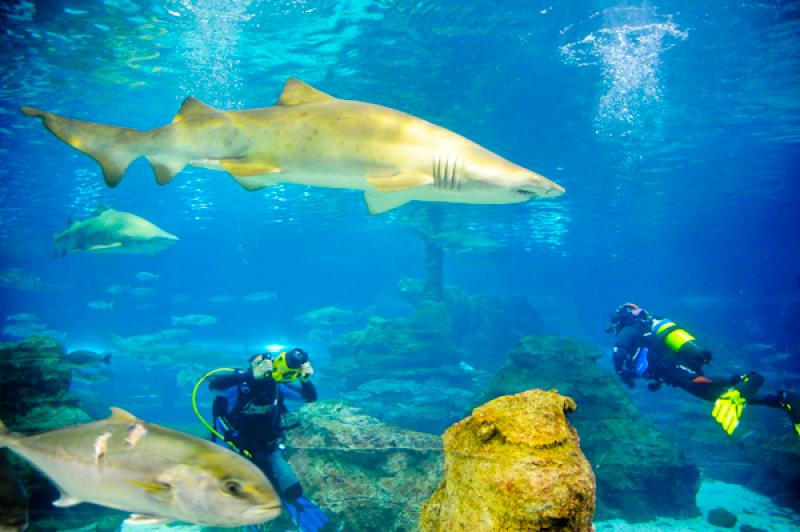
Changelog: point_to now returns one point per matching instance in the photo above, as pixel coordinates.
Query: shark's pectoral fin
(105, 247)
(252, 175)
(379, 202)
(296, 92)
(401, 181)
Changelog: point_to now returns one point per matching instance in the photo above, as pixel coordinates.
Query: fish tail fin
(107, 359)
(115, 148)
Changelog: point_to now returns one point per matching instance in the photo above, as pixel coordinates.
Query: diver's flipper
(728, 409)
(790, 402)
(306, 515)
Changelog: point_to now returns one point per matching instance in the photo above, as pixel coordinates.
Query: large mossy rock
(365, 474)
(640, 473)
(514, 464)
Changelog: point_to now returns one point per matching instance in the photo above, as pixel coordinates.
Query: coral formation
(514, 464)
(442, 351)
(365, 474)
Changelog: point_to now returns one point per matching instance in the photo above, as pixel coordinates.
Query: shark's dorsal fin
(101, 208)
(296, 92)
(119, 415)
(192, 106)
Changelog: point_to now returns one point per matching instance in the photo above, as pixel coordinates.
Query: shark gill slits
(447, 173)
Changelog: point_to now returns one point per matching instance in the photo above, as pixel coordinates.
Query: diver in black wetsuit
(659, 350)
(248, 413)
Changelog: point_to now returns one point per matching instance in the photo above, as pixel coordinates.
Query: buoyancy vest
(680, 342)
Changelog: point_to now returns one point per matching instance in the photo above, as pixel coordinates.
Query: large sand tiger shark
(311, 138)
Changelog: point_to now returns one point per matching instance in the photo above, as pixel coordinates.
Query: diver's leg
(305, 513)
(282, 476)
(785, 400)
(694, 382)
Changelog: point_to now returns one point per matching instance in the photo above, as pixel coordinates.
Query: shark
(113, 231)
(312, 138)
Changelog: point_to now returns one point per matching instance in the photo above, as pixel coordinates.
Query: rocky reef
(34, 387)
(514, 464)
(640, 473)
(365, 474)
(34, 396)
(422, 371)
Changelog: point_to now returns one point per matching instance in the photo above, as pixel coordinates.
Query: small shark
(112, 231)
(311, 138)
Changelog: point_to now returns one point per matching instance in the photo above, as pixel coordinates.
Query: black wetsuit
(248, 412)
(683, 369)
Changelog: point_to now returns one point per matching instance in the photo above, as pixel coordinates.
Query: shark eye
(232, 487)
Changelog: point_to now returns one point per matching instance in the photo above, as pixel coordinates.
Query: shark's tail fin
(115, 148)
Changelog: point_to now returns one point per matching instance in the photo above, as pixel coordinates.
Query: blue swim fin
(306, 515)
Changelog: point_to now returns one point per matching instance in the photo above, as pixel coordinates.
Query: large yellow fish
(158, 474)
(311, 138)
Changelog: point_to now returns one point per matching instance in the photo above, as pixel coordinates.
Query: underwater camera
(286, 366)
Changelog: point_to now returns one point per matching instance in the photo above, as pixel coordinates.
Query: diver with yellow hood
(248, 416)
(659, 350)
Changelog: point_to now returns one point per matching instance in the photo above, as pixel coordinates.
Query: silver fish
(158, 474)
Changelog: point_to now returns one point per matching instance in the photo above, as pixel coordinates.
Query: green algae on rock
(365, 474)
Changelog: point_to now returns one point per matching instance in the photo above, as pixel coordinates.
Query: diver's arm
(226, 380)
(623, 352)
(306, 392)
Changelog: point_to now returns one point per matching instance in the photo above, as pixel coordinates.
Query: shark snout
(555, 190)
(541, 187)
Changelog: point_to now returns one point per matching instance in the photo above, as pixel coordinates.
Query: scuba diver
(248, 414)
(657, 349)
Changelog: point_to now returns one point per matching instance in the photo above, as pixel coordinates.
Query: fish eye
(232, 487)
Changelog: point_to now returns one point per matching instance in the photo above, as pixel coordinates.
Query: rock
(422, 353)
(629, 455)
(748, 528)
(34, 396)
(31, 376)
(722, 518)
(514, 464)
(365, 474)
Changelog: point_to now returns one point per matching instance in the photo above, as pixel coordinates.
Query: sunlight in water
(629, 51)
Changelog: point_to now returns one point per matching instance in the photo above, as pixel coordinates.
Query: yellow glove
(728, 409)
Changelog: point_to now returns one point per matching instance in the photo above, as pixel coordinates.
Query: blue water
(673, 125)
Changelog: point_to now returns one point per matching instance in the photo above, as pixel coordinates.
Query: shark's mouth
(526, 192)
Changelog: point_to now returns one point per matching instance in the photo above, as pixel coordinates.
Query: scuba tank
(680, 342)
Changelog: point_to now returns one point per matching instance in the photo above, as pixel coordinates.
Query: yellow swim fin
(728, 409)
